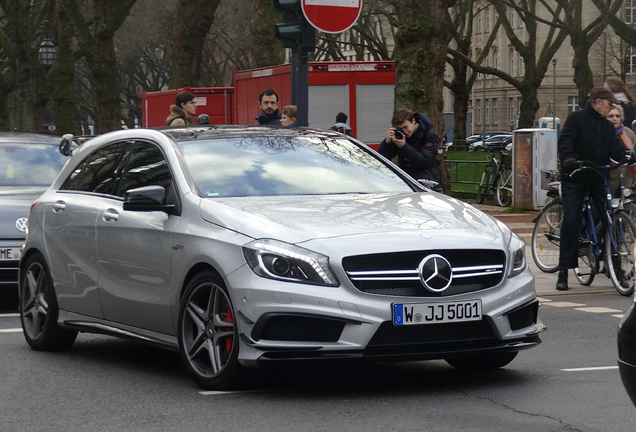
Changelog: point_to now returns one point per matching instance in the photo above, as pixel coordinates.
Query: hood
(301, 219)
(15, 204)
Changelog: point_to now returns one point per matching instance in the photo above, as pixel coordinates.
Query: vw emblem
(21, 224)
(435, 272)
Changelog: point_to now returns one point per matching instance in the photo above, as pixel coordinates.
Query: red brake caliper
(230, 340)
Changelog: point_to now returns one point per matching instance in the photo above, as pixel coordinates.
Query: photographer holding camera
(412, 138)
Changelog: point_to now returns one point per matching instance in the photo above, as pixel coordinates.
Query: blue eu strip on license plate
(433, 313)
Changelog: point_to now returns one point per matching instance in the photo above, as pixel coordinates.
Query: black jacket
(588, 136)
(417, 157)
(269, 119)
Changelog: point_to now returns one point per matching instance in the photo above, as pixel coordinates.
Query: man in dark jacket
(412, 138)
(586, 135)
(268, 103)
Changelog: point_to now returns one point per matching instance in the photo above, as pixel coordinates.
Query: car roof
(188, 133)
(28, 138)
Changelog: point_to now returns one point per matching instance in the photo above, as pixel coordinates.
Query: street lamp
(554, 94)
(47, 53)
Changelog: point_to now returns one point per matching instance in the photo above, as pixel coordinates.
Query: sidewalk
(522, 225)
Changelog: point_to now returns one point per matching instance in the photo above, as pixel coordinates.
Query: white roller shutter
(375, 109)
(325, 101)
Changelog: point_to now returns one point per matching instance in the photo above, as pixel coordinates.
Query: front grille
(430, 337)
(396, 274)
(9, 273)
(298, 328)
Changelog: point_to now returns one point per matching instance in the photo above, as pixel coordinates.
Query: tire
(545, 237)
(39, 310)
(503, 194)
(620, 261)
(482, 190)
(630, 208)
(482, 362)
(208, 335)
(588, 264)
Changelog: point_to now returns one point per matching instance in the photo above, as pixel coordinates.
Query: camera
(399, 133)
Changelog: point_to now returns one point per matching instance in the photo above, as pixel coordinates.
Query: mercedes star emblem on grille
(21, 224)
(435, 273)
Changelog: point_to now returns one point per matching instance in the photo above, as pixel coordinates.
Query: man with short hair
(413, 140)
(183, 111)
(341, 124)
(268, 103)
(586, 135)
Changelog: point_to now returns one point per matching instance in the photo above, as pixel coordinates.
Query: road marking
(598, 309)
(585, 369)
(543, 300)
(9, 315)
(619, 315)
(14, 330)
(565, 304)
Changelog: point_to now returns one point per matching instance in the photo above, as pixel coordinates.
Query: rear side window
(146, 166)
(100, 171)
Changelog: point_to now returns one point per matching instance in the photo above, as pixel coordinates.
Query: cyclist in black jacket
(586, 135)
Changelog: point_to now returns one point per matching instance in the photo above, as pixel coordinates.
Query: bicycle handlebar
(589, 164)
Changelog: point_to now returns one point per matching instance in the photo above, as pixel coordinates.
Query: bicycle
(615, 249)
(497, 177)
(546, 233)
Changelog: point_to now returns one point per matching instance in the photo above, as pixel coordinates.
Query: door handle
(110, 215)
(59, 206)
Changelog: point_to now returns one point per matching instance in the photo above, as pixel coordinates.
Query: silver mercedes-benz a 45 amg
(246, 246)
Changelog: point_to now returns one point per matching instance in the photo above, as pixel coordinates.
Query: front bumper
(343, 324)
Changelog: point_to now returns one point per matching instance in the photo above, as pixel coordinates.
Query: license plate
(434, 313)
(10, 254)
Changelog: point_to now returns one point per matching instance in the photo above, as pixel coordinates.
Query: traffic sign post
(296, 33)
(332, 16)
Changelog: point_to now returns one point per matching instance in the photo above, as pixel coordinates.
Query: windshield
(29, 164)
(230, 167)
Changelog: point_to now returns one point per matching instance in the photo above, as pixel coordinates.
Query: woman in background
(627, 99)
(290, 116)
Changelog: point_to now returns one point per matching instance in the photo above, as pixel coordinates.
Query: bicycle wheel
(630, 208)
(619, 258)
(545, 237)
(482, 191)
(503, 194)
(588, 264)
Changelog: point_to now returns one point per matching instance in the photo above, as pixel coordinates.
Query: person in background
(341, 124)
(203, 119)
(586, 135)
(268, 103)
(628, 138)
(183, 111)
(290, 116)
(413, 140)
(627, 100)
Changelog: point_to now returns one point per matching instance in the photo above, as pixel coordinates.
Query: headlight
(273, 259)
(517, 248)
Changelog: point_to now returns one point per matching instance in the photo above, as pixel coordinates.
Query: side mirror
(147, 198)
(430, 184)
(68, 144)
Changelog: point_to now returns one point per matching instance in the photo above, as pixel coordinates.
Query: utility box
(362, 90)
(533, 151)
(216, 102)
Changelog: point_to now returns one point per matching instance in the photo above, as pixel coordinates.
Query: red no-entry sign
(332, 16)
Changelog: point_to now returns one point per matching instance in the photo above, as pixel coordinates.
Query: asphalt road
(568, 383)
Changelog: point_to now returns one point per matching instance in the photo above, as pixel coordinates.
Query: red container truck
(216, 102)
(362, 90)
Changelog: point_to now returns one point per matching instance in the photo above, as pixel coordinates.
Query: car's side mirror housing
(68, 144)
(147, 198)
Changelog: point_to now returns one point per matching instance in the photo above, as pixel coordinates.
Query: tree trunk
(420, 58)
(268, 50)
(64, 95)
(192, 25)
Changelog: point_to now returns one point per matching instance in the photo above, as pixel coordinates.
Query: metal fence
(466, 175)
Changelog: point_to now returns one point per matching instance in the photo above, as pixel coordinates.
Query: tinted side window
(99, 172)
(146, 166)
